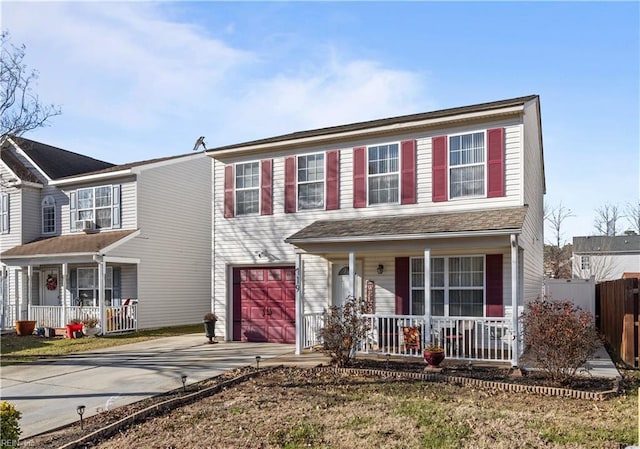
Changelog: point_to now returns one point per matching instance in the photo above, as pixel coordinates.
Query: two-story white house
(435, 219)
(606, 258)
(130, 244)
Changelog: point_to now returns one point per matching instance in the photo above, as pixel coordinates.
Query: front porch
(470, 339)
(117, 319)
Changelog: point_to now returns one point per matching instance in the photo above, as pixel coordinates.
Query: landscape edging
(469, 381)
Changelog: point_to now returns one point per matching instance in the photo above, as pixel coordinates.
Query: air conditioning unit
(84, 225)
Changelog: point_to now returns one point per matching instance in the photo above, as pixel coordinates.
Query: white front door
(340, 282)
(50, 287)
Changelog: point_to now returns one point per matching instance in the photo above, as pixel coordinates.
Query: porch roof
(405, 227)
(72, 244)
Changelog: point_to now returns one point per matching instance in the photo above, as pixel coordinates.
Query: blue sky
(138, 80)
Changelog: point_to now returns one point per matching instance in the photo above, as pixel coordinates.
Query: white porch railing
(464, 338)
(118, 319)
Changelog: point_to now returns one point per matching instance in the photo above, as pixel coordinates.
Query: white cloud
(131, 73)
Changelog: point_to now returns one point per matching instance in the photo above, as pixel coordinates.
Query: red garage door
(264, 304)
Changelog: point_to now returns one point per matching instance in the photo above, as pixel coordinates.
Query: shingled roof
(67, 244)
(56, 162)
(603, 244)
(410, 226)
(17, 167)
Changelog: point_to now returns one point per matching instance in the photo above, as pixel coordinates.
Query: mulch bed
(72, 432)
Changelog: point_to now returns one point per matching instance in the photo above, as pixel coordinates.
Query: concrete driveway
(47, 392)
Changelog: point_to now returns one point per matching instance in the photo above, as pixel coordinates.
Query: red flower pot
(72, 328)
(433, 358)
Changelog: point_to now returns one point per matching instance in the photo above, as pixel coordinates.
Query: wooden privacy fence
(617, 302)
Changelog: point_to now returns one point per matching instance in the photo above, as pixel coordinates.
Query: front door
(50, 287)
(340, 282)
(264, 304)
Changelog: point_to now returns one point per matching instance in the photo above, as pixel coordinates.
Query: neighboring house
(435, 219)
(130, 244)
(606, 258)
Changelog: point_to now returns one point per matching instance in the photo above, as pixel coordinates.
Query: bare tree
(633, 216)
(557, 253)
(607, 217)
(20, 108)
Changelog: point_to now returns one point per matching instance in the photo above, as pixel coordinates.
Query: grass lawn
(15, 349)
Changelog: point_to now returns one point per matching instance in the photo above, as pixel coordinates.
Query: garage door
(264, 304)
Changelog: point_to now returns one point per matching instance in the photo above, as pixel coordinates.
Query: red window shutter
(408, 172)
(290, 184)
(359, 177)
(495, 162)
(493, 274)
(333, 180)
(266, 187)
(402, 286)
(439, 169)
(228, 191)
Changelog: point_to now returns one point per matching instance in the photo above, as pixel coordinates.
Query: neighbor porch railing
(463, 338)
(118, 318)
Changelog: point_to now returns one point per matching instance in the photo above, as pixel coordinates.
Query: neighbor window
(248, 188)
(383, 174)
(585, 263)
(467, 165)
(4, 213)
(86, 293)
(99, 205)
(311, 182)
(457, 286)
(48, 215)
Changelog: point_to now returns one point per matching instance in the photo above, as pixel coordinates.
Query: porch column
(101, 282)
(63, 292)
(29, 290)
(300, 324)
(352, 275)
(427, 296)
(514, 299)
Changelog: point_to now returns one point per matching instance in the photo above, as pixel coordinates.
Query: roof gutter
(88, 178)
(393, 238)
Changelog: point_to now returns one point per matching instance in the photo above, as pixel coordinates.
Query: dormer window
(48, 215)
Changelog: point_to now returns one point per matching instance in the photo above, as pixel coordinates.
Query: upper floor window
(99, 206)
(4, 213)
(383, 174)
(467, 165)
(48, 215)
(311, 181)
(247, 183)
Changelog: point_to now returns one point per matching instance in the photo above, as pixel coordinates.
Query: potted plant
(90, 327)
(74, 327)
(210, 326)
(433, 355)
(25, 327)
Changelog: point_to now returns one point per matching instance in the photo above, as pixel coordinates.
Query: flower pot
(90, 331)
(25, 327)
(72, 328)
(433, 358)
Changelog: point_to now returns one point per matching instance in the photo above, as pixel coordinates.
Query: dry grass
(293, 408)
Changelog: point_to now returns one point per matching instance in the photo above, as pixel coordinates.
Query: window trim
(115, 206)
(42, 209)
(235, 189)
(447, 287)
(398, 173)
(585, 263)
(94, 288)
(324, 181)
(484, 164)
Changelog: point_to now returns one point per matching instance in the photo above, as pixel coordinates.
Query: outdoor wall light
(80, 410)
(184, 382)
(380, 269)
(258, 362)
